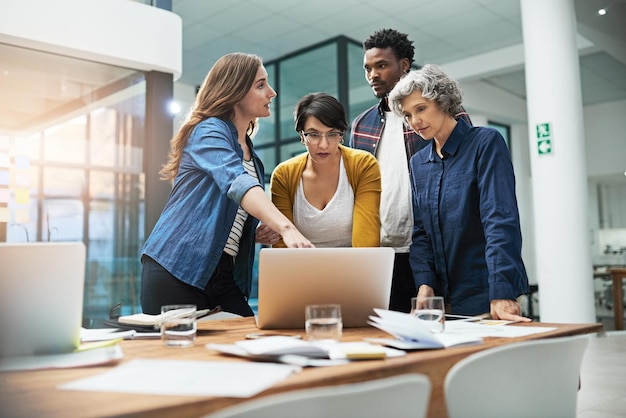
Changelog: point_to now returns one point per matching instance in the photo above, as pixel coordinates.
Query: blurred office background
(84, 127)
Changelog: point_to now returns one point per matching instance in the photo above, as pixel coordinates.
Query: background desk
(617, 275)
(33, 393)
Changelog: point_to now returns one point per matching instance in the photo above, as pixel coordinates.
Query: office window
(505, 131)
(71, 147)
(319, 68)
(308, 72)
(360, 95)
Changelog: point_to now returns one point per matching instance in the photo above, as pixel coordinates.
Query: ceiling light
(602, 12)
(174, 108)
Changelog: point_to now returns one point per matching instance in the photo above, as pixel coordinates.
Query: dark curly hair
(391, 38)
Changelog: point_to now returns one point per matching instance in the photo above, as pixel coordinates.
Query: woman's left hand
(266, 235)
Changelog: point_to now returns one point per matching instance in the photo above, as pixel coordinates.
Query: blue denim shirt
(191, 233)
(467, 239)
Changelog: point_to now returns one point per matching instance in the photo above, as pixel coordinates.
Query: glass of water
(323, 322)
(430, 310)
(178, 325)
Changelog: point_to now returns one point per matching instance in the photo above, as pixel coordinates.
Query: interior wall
(605, 138)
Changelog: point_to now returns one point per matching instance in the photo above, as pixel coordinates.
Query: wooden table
(617, 275)
(33, 393)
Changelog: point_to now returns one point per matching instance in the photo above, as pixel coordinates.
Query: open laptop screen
(359, 279)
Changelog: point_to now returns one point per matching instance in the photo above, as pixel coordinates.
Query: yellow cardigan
(363, 175)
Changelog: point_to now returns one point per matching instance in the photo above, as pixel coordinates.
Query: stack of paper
(411, 334)
(304, 353)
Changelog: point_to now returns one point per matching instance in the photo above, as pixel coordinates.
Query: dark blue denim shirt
(467, 239)
(191, 233)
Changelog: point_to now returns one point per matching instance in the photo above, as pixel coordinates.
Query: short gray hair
(434, 84)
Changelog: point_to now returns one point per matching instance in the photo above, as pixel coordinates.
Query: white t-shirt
(396, 209)
(332, 226)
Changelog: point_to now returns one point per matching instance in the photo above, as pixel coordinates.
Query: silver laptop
(41, 297)
(359, 279)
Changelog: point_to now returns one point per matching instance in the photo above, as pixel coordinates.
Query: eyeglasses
(316, 137)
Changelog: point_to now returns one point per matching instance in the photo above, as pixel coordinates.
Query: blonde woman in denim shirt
(201, 249)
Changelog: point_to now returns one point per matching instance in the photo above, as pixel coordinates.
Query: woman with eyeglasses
(331, 193)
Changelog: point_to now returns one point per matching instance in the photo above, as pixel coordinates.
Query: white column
(559, 176)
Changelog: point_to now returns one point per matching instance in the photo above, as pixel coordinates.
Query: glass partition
(71, 144)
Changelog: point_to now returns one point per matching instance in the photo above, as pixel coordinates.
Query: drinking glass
(430, 310)
(323, 322)
(178, 325)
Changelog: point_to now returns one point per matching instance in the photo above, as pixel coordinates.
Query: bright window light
(174, 108)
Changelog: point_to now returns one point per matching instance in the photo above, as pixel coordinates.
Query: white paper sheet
(186, 378)
(484, 330)
(292, 351)
(91, 357)
(104, 334)
(414, 335)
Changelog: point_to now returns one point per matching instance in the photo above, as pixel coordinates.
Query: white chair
(538, 378)
(398, 396)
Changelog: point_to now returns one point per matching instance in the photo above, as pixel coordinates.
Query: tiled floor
(603, 377)
(603, 373)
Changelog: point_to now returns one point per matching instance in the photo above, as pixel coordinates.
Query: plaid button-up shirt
(368, 127)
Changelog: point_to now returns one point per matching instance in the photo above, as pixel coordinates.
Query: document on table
(186, 378)
(494, 329)
(87, 357)
(104, 334)
(305, 353)
(411, 334)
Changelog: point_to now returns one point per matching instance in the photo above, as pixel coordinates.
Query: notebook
(41, 297)
(359, 279)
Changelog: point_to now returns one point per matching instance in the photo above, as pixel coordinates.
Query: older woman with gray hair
(467, 240)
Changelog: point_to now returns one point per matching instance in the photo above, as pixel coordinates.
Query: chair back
(398, 396)
(538, 378)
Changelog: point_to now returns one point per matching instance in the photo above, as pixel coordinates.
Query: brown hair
(225, 85)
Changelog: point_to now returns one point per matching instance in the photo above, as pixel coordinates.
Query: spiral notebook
(359, 279)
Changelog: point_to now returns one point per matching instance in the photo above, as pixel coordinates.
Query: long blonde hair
(225, 85)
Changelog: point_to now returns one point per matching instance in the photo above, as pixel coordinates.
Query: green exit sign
(544, 138)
